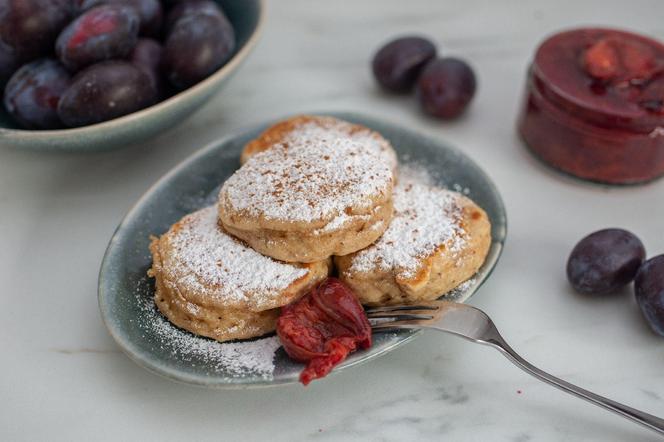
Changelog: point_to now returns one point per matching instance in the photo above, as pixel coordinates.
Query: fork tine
(415, 316)
(401, 308)
(404, 316)
(391, 325)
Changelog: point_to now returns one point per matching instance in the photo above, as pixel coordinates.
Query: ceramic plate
(125, 291)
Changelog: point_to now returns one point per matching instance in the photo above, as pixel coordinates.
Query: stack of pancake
(315, 195)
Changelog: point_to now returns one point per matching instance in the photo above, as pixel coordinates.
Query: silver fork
(473, 324)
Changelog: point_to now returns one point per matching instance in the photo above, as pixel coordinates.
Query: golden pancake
(213, 285)
(312, 187)
(436, 240)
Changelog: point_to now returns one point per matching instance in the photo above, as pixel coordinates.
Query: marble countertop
(63, 378)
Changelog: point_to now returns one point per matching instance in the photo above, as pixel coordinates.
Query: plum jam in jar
(594, 105)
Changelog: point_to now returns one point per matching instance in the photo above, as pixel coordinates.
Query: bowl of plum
(88, 75)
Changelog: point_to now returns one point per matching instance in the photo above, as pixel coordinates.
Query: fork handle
(647, 420)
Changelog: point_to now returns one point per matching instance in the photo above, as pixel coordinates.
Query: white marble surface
(63, 378)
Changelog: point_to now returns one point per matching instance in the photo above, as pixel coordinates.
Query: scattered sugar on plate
(235, 359)
(459, 188)
(416, 173)
(460, 290)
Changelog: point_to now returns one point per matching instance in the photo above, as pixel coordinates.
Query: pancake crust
(311, 187)
(213, 285)
(437, 240)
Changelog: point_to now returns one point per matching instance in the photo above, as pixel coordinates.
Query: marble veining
(400, 418)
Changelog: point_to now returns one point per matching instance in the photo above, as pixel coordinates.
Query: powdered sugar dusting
(415, 173)
(425, 218)
(459, 293)
(234, 359)
(316, 173)
(204, 255)
(339, 221)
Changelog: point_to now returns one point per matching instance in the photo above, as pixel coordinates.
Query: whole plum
(34, 91)
(445, 87)
(104, 91)
(30, 26)
(397, 64)
(197, 45)
(605, 261)
(101, 33)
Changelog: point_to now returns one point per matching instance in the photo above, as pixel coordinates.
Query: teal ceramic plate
(125, 291)
(247, 19)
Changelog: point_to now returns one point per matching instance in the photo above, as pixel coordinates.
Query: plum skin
(398, 63)
(147, 55)
(8, 63)
(184, 8)
(445, 87)
(150, 12)
(649, 292)
(33, 93)
(197, 45)
(101, 33)
(104, 91)
(605, 261)
(31, 26)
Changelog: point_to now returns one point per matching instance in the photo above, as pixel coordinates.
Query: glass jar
(594, 105)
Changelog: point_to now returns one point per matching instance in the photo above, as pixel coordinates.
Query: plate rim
(495, 252)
